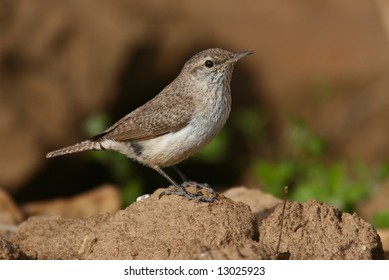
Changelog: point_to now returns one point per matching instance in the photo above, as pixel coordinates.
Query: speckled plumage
(184, 117)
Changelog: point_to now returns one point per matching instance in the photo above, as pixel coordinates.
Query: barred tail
(80, 147)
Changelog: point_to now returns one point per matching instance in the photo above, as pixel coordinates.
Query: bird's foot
(199, 186)
(191, 196)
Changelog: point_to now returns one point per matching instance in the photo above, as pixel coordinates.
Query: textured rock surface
(175, 228)
(262, 204)
(151, 229)
(10, 251)
(315, 230)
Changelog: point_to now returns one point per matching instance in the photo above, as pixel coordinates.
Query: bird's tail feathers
(79, 147)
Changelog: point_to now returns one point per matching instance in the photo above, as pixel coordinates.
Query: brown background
(63, 61)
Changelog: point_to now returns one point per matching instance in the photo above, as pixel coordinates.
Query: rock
(262, 204)
(150, 229)
(175, 228)
(315, 230)
(250, 250)
(10, 251)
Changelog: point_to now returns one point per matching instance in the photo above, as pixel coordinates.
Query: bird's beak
(236, 56)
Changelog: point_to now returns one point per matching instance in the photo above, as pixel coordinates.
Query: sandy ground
(174, 228)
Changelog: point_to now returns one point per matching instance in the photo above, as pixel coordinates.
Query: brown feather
(159, 116)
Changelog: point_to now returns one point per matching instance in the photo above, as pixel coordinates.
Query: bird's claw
(199, 186)
(191, 196)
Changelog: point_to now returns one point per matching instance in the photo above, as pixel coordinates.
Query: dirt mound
(315, 230)
(150, 229)
(174, 228)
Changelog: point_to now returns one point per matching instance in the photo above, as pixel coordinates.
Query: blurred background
(310, 108)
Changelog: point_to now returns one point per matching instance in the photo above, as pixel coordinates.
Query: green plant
(308, 175)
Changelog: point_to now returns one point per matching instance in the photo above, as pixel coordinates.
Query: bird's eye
(209, 63)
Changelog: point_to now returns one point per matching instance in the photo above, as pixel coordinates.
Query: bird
(183, 118)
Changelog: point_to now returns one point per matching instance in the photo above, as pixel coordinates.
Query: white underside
(168, 149)
(171, 148)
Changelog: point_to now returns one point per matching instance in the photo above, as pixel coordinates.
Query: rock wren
(184, 117)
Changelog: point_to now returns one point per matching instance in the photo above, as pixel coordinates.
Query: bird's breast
(211, 116)
(207, 120)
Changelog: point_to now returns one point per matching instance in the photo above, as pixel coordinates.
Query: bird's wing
(157, 117)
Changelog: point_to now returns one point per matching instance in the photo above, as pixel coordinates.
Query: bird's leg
(182, 175)
(187, 183)
(180, 190)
